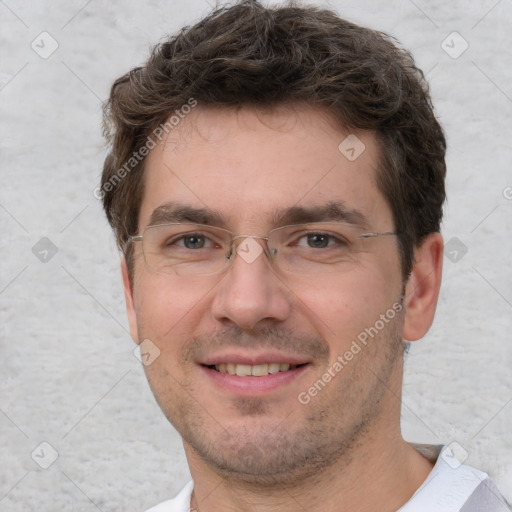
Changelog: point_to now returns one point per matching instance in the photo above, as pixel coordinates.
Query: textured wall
(68, 374)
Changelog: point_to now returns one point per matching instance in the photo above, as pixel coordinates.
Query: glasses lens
(317, 248)
(185, 249)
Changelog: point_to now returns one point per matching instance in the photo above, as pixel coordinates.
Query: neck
(382, 474)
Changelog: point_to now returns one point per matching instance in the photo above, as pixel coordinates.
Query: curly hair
(246, 54)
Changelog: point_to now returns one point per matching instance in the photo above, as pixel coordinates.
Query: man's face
(248, 167)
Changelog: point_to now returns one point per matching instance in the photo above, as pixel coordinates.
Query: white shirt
(450, 487)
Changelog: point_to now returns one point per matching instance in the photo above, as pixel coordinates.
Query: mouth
(257, 370)
(245, 376)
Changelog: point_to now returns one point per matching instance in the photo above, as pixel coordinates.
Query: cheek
(167, 309)
(343, 306)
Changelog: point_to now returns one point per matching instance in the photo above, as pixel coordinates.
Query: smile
(257, 370)
(252, 380)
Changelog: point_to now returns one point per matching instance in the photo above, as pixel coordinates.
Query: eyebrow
(177, 212)
(332, 211)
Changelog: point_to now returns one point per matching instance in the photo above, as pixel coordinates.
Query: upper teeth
(257, 370)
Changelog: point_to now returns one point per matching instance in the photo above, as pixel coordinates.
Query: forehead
(248, 165)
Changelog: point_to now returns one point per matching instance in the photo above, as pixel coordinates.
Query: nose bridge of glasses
(242, 237)
(247, 244)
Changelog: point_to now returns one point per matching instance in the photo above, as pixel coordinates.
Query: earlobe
(422, 288)
(130, 303)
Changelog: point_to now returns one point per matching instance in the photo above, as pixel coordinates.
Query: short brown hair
(247, 54)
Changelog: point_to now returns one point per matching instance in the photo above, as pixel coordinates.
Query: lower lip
(253, 386)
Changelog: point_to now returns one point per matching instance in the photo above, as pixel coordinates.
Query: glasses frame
(233, 237)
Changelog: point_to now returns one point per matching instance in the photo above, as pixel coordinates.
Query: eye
(319, 240)
(191, 241)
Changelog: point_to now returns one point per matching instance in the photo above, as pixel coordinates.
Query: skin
(271, 452)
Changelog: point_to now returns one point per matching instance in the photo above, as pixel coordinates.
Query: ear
(128, 295)
(422, 288)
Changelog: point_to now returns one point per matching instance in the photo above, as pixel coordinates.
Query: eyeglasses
(302, 249)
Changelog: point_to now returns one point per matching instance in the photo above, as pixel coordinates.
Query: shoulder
(181, 503)
(486, 498)
(455, 487)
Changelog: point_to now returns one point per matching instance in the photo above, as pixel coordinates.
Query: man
(276, 182)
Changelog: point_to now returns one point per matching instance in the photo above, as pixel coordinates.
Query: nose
(251, 292)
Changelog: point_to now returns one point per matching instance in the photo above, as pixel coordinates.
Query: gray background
(68, 374)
